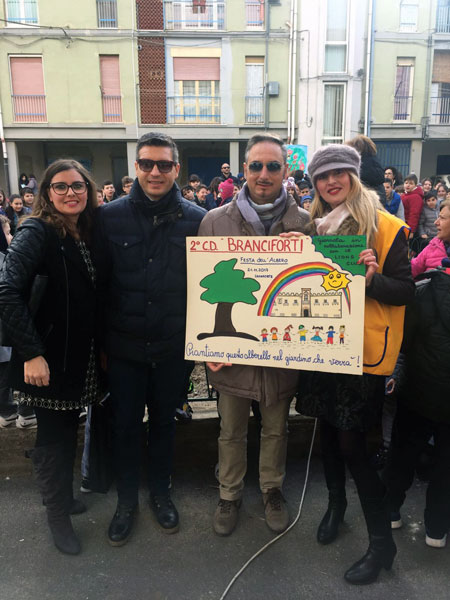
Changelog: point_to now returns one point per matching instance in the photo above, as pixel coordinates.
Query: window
(110, 89)
(107, 13)
(408, 15)
(254, 14)
(21, 11)
(443, 16)
(336, 37)
(196, 96)
(333, 113)
(194, 14)
(440, 89)
(28, 95)
(403, 89)
(254, 98)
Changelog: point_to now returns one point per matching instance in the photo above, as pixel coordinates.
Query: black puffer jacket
(425, 382)
(140, 254)
(372, 175)
(63, 327)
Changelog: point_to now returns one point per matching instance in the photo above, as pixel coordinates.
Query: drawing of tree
(225, 287)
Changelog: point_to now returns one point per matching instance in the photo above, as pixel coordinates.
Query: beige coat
(267, 384)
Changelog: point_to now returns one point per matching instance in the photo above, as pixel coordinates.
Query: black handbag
(37, 292)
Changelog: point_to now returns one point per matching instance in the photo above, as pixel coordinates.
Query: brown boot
(275, 509)
(226, 516)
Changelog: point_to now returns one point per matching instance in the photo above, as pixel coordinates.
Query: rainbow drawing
(290, 275)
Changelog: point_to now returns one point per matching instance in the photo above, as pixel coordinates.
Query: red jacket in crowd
(413, 203)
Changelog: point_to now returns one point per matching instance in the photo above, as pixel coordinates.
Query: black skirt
(348, 402)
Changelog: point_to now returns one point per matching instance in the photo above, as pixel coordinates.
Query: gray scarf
(261, 216)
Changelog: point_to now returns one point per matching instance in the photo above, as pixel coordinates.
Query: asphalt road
(195, 564)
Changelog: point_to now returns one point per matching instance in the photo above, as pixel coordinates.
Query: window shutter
(26, 75)
(196, 69)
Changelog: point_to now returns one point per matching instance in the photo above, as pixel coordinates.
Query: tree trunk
(223, 322)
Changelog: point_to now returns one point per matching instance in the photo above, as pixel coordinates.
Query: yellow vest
(383, 323)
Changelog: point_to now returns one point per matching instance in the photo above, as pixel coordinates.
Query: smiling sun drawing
(335, 281)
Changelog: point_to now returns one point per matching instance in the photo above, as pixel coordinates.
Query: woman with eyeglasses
(348, 406)
(47, 302)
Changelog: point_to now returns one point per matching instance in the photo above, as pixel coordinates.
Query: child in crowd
(393, 202)
(187, 191)
(27, 196)
(305, 202)
(23, 416)
(427, 223)
(15, 211)
(413, 203)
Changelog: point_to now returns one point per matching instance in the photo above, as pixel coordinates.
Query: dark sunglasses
(147, 165)
(273, 166)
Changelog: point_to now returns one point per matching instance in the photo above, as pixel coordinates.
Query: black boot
(50, 468)
(382, 549)
(165, 512)
(329, 526)
(76, 507)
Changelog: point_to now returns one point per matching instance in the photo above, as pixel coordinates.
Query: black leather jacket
(140, 255)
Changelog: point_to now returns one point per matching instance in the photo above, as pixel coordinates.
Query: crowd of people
(118, 268)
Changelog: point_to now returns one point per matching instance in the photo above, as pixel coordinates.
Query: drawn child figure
(264, 335)
(330, 334)
(287, 334)
(302, 333)
(316, 337)
(341, 334)
(274, 332)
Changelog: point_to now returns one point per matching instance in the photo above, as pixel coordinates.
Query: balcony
(206, 15)
(29, 108)
(254, 14)
(112, 109)
(440, 110)
(107, 13)
(402, 108)
(191, 110)
(443, 17)
(254, 109)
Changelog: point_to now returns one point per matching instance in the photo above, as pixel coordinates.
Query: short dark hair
(302, 185)
(411, 177)
(26, 190)
(203, 186)
(194, 177)
(127, 179)
(186, 188)
(431, 194)
(158, 139)
(266, 137)
(389, 181)
(107, 182)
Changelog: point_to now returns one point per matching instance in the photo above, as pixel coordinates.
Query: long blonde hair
(362, 204)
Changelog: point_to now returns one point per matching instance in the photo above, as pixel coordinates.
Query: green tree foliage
(229, 285)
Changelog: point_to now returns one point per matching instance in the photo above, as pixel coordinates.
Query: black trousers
(56, 426)
(410, 436)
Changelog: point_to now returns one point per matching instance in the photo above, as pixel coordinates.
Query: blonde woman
(348, 406)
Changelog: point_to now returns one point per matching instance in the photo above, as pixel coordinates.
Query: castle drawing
(306, 304)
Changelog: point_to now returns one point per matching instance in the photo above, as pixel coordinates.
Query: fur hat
(334, 156)
(226, 188)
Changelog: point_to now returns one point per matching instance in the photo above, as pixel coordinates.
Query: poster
(276, 302)
(297, 157)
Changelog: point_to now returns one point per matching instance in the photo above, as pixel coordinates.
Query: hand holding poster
(293, 302)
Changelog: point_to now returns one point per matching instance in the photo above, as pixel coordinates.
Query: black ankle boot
(165, 512)
(329, 526)
(380, 554)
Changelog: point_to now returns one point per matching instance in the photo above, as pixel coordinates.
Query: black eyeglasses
(273, 166)
(61, 188)
(147, 165)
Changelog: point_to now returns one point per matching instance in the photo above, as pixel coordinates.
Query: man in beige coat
(262, 208)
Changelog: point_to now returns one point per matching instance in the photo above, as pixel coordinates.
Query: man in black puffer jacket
(140, 255)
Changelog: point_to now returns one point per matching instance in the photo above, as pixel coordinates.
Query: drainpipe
(294, 67)
(266, 96)
(5, 154)
(133, 62)
(428, 79)
(290, 82)
(369, 67)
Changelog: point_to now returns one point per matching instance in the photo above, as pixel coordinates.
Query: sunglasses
(273, 166)
(147, 165)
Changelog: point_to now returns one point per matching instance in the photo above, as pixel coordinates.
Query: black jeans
(132, 386)
(410, 436)
(56, 426)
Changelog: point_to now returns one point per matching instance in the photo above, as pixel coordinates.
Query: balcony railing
(194, 14)
(254, 109)
(21, 11)
(193, 109)
(440, 110)
(29, 108)
(112, 109)
(402, 108)
(443, 18)
(107, 13)
(254, 14)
